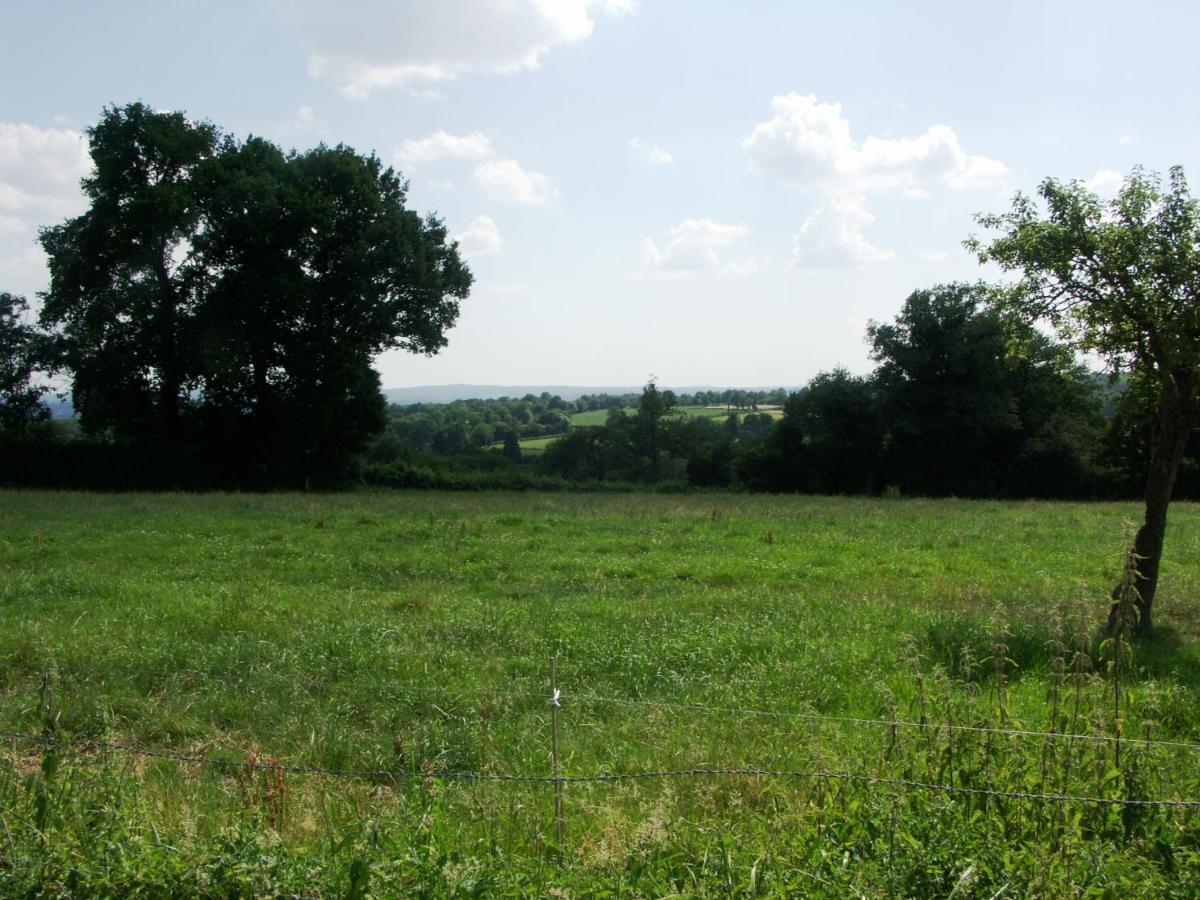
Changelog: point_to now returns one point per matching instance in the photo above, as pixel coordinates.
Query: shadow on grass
(959, 644)
(967, 647)
(1168, 654)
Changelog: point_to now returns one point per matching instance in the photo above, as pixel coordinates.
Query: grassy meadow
(412, 633)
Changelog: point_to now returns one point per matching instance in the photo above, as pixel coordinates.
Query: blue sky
(711, 192)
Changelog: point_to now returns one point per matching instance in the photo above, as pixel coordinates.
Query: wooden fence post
(559, 822)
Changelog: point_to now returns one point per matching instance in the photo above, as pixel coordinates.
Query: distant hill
(447, 393)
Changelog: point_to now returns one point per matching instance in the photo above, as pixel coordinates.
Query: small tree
(1120, 279)
(512, 446)
(652, 406)
(21, 350)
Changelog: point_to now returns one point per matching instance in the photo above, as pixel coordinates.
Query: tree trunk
(1172, 427)
(170, 379)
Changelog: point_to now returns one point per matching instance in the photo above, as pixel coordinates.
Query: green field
(411, 634)
(596, 417)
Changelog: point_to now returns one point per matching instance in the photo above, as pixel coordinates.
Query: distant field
(595, 417)
(538, 444)
(723, 412)
(412, 632)
(600, 416)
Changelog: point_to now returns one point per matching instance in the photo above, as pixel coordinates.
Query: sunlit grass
(413, 632)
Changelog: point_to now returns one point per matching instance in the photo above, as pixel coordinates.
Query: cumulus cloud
(40, 171)
(1106, 183)
(442, 145)
(480, 237)
(500, 179)
(809, 144)
(651, 153)
(386, 44)
(694, 245)
(504, 179)
(832, 237)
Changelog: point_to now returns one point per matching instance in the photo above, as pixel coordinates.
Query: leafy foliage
(22, 350)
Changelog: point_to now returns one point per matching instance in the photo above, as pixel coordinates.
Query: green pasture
(412, 633)
(595, 417)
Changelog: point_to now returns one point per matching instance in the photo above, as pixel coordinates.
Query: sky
(709, 193)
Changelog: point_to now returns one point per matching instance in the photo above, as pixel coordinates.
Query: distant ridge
(448, 393)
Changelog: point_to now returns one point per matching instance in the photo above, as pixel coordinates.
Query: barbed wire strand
(692, 772)
(533, 697)
(894, 723)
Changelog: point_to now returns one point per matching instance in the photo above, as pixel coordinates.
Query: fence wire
(415, 688)
(84, 747)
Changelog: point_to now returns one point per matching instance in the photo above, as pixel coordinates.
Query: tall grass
(412, 633)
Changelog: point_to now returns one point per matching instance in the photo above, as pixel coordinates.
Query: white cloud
(693, 246)
(1125, 139)
(480, 237)
(934, 256)
(809, 144)
(442, 145)
(500, 179)
(1106, 183)
(504, 179)
(40, 171)
(832, 237)
(384, 44)
(651, 153)
(305, 120)
(26, 273)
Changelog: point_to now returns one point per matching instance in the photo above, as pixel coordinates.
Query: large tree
(1120, 279)
(230, 297)
(966, 393)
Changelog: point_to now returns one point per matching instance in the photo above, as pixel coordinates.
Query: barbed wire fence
(91, 751)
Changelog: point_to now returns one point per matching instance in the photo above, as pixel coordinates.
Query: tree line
(965, 400)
